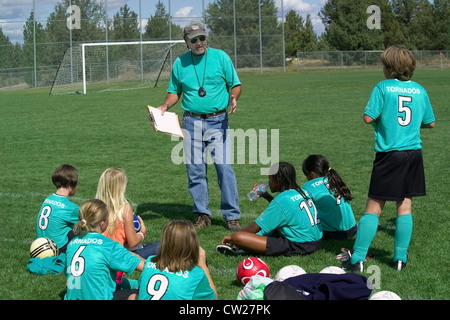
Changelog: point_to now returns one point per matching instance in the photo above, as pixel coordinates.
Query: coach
(209, 84)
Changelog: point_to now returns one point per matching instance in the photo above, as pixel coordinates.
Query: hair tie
(329, 169)
(82, 220)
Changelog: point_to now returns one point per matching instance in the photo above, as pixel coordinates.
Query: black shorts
(337, 235)
(277, 246)
(397, 175)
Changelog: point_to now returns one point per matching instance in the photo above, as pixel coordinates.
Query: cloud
(298, 5)
(304, 7)
(185, 15)
(183, 12)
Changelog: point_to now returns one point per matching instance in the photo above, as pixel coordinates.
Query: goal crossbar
(107, 44)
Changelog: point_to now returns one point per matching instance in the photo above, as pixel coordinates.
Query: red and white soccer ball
(250, 267)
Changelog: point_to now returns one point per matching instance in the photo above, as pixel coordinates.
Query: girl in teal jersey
(331, 197)
(179, 270)
(288, 226)
(398, 108)
(92, 260)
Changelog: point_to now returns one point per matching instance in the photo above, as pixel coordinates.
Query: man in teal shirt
(208, 82)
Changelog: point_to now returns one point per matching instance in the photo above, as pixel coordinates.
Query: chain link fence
(34, 60)
(45, 36)
(364, 59)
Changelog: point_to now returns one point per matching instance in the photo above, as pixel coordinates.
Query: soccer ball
(137, 223)
(385, 295)
(332, 270)
(43, 247)
(288, 272)
(250, 267)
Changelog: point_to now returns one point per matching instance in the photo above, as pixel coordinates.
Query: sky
(13, 13)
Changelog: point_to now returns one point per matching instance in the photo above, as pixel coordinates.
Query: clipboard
(167, 123)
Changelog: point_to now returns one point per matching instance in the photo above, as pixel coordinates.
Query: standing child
(179, 271)
(398, 108)
(331, 197)
(111, 190)
(58, 214)
(92, 259)
(292, 214)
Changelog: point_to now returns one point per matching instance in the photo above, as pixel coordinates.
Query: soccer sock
(367, 228)
(403, 232)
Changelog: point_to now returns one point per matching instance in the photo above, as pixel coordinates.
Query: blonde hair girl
(92, 259)
(93, 218)
(111, 189)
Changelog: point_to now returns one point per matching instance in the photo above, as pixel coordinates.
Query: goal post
(140, 62)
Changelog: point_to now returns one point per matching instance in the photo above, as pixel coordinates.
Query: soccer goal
(115, 65)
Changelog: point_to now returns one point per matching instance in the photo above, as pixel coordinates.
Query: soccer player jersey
(399, 108)
(56, 218)
(155, 284)
(188, 72)
(92, 263)
(294, 216)
(335, 214)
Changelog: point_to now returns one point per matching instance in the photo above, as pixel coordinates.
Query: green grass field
(314, 111)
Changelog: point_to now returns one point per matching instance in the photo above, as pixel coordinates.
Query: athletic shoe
(354, 267)
(399, 265)
(233, 225)
(229, 250)
(202, 220)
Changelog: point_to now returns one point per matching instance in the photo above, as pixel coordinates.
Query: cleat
(354, 267)
(399, 265)
(228, 250)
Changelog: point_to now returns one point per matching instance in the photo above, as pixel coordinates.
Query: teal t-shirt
(56, 218)
(220, 77)
(294, 216)
(335, 214)
(399, 108)
(155, 284)
(92, 263)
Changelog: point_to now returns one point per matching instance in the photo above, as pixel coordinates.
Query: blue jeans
(203, 135)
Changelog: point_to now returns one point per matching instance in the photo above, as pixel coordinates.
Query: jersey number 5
(406, 118)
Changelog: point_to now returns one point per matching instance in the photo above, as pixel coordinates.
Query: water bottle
(119, 276)
(253, 195)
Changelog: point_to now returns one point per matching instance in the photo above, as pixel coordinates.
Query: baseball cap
(194, 29)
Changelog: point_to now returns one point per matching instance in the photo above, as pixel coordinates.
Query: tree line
(417, 24)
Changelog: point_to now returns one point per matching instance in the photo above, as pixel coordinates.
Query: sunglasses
(201, 38)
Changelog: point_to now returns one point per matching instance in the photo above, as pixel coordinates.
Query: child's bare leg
(250, 241)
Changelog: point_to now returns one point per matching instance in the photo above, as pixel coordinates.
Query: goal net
(115, 65)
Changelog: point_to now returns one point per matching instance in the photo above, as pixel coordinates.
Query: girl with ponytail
(92, 259)
(331, 197)
(288, 226)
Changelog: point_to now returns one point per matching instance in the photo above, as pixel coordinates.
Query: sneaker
(233, 225)
(399, 265)
(202, 220)
(231, 250)
(354, 267)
